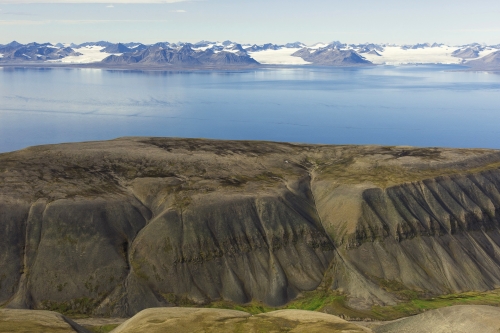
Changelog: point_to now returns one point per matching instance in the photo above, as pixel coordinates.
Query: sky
(258, 21)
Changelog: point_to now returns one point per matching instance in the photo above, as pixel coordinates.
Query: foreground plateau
(112, 228)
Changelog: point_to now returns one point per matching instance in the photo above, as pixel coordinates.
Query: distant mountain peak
(117, 48)
(332, 56)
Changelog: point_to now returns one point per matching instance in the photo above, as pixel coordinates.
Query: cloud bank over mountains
(89, 1)
(254, 21)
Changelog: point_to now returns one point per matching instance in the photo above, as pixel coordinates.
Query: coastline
(125, 67)
(169, 68)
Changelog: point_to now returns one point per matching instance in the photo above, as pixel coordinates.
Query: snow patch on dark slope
(332, 56)
(489, 62)
(184, 56)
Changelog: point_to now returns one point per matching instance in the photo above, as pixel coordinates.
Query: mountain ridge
(105, 54)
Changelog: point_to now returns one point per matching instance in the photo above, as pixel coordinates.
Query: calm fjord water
(406, 105)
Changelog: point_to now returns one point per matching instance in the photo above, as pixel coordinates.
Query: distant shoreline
(126, 67)
(167, 68)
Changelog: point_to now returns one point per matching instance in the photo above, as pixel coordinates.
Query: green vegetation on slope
(76, 308)
(334, 303)
(416, 306)
(323, 301)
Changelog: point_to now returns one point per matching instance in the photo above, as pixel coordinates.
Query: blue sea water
(403, 105)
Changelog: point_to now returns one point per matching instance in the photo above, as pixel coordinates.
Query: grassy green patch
(415, 306)
(399, 289)
(324, 301)
(336, 304)
(253, 308)
(178, 300)
(74, 308)
(316, 301)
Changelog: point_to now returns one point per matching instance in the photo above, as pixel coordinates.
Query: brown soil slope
(31, 321)
(111, 228)
(456, 319)
(187, 320)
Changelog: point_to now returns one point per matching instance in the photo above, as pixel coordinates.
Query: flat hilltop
(114, 227)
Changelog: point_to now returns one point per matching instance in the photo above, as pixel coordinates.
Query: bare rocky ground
(179, 320)
(184, 320)
(99, 324)
(99, 321)
(34, 321)
(456, 319)
(111, 228)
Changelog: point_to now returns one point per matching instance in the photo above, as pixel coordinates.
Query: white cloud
(22, 22)
(178, 11)
(41, 22)
(110, 6)
(475, 30)
(89, 1)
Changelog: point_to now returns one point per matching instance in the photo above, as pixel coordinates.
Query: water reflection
(408, 105)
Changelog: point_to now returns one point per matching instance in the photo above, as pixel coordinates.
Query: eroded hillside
(111, 228)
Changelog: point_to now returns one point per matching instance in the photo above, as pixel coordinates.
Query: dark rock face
(184, 56)
(269, 46)
(294, 45)
(466, 53)
(34, 52)
(416, 46)
(204, 255)
(100, 43)
(76, 248)
(111, 228)
(139, 47)
(12, 228)
(489, 62)
(331, 56)
(10, 47)
(116, 48)
(370, 48)
(432, 236)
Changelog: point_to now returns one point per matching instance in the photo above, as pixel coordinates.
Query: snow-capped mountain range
(228, 53)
